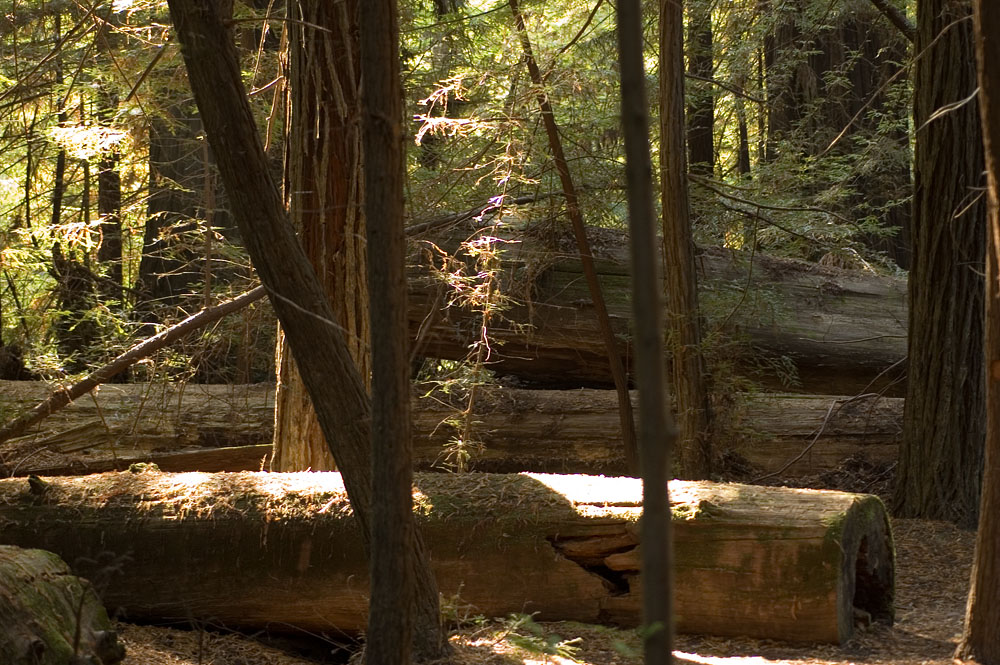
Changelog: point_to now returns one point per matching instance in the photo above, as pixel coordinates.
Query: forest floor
(933, 563)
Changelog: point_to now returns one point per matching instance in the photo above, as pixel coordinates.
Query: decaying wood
(840, 328)
(261, 550)
(196, 428)
(50, 616)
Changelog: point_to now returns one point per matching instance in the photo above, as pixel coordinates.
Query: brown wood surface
(50, 616)
(280, 551)
(841, 328)
(229, 428)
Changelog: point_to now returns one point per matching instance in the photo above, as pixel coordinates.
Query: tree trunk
(657, 434)
(943, 433)
(176, 172)
(690, 376)
(573, 211)
(981, 637)
(311, 328)
(323, 193)
(765, 562)
(200, 427)
(700, 96)
(394, 617)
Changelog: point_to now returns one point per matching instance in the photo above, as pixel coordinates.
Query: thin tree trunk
(656, 430)
(941, 455)
(390, 609)
(981, 637)
(583, 245)
(684, 330)
(314, 336)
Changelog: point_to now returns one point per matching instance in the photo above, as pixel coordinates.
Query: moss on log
(280, 551)
(50, 616)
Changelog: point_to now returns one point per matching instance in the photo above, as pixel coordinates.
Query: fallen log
(814, 328)
(229, 428)
(281, 551)
(49, 616)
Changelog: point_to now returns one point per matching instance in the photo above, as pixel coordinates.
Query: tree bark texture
(324, 193)
(701, 98)
(981, 637)
(316, 339)
(391, 609)
(942, 453)
(765, 562)
(657, 434)
(199, 427)
(693, 455)
(789, 325)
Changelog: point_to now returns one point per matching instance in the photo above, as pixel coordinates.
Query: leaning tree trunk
(690, 376)
(981, 637)
(943, 431)
(323, 193)
(311, 327)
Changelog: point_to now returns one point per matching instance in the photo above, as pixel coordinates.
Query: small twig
(826, 420)
(63, 396)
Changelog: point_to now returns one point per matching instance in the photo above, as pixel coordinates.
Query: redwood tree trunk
(314, 336)
(683, 328)
(701, 104)
(943, 426)
(981, 638)
(323, 192)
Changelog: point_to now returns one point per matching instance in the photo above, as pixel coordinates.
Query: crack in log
(590, 553)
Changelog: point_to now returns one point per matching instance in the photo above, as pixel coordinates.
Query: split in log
(844, 330)
(552, 431)
(50, 616)
(281, 551)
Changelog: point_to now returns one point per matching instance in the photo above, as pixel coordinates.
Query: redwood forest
(499, 332)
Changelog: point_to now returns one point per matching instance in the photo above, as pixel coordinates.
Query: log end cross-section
(282, 551)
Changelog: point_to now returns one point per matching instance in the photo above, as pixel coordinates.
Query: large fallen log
(832, 330)
(281, 551)
(194, 427)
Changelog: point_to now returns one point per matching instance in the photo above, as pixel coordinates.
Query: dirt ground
(933, 561)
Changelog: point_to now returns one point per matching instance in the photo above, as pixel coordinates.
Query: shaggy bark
(941, 458)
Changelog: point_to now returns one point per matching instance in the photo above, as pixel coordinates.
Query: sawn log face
(278, 551)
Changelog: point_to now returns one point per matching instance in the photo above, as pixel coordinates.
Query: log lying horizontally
(49, 616)
(551, 431)
(280, 551)
(840, 328)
